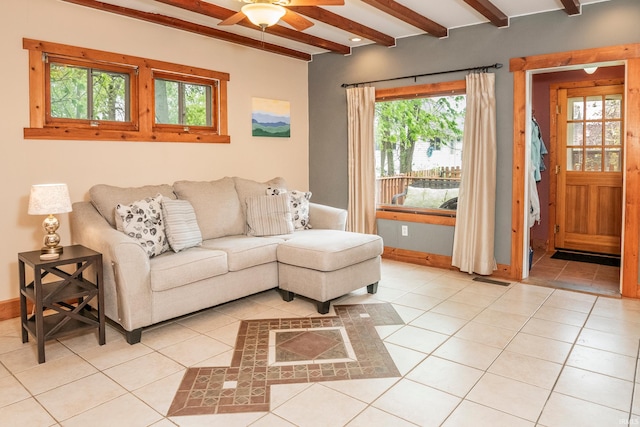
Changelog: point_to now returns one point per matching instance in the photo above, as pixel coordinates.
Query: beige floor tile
(554, 330)
(11, 343)
(542, 348)
(79, 396)
(515, 306)
(501, 319)
(421, 302)
(27, 356)
(612, 325)
(364, 390)
(417, 339)
(159, 394)
(222, 359)
(467, 296)
(566, 302)
(406, 284)
(27, 412)
(621, 344)
(468, 353)
(603, 362)
(560, 315)
(206, 321)
(226, 420)
(330, 408)
(513, 397)
(597, 388)
(386, 330)
(487, 289)
(195, 350)
(526, 369)
(114, 353)
(55, 373)
(457, 309)
(4, 372)
(85, 340)
(144, 370)
(241, 308)
(280, 393)
(635, 404)
(228, 334)
(388, 294)
(437, 290)
(485, 334)
(125, 411)
(167, 334)
(562, 411)
(439, 323)
(407, 400)
(271, 420)
(373, 417)
(404, 358)
(622, 309)
(472, 414)
(407, 314)
(445, 375)
(12, 391)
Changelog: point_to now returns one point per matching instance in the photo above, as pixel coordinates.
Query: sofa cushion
(428, 197)
(269, 215)
(299, 201)
(216, 205)
(180, 224)
(172, 270)
(245, 251)
(329, 250)
(142, 221)
(105, 197)
(249, 188)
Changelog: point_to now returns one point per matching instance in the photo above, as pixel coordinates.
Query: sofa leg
(133, 337)
(372, 288)
(287, 295)
(323, 307)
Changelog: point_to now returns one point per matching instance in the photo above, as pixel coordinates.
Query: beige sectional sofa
(230, 248)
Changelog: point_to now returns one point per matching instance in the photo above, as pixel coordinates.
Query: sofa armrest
(327, 217)
(127, 271)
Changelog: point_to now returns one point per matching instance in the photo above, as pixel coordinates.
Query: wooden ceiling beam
(490, 11)
(217, 12)
(407, 15)
(193, 28)
(572, 7)
(335, 20)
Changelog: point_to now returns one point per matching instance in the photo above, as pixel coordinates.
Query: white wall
(81, 164)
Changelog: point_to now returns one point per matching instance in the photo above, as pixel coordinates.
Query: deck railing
(389, 186)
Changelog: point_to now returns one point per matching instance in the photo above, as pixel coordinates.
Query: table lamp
(50, 199)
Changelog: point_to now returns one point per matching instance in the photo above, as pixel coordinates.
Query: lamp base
(51, 250)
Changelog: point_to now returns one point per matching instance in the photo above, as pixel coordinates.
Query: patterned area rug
(285, 351)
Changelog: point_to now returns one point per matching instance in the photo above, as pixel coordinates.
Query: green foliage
(400, 124)
(182, 103)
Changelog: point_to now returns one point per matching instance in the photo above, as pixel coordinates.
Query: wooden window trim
(412, 214)
(142, 98)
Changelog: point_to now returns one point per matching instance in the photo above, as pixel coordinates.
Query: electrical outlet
(405, 230)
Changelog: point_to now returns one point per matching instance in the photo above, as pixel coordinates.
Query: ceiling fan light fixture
(590, 70)
(263, 14)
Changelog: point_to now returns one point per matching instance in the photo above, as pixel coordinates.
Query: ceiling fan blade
(316, 3)
(233, 19)
(298, 22)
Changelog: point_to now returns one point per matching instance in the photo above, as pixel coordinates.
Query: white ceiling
(448, 13)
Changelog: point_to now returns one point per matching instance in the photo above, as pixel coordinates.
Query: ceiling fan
(265, 13)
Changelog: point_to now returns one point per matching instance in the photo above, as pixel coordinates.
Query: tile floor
(579, 276)
(469, 354)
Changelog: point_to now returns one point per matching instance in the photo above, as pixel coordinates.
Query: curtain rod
(484, 67)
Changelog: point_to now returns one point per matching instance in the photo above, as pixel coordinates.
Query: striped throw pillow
(269, 215)
(180, 224)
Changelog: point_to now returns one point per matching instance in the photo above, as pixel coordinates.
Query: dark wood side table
(66, 298)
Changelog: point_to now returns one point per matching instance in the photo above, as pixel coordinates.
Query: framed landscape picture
(270, 117)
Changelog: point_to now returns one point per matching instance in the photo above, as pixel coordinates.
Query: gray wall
(602, 24)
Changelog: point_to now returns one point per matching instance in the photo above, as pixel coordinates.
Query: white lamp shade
(263, 14)
(48, 199)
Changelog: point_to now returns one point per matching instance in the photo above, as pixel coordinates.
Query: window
(78, 93)
(418, 139)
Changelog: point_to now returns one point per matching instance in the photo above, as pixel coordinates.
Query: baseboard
(434, 260)
(10, 309)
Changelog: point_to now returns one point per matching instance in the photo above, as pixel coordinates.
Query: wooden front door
(589, 168)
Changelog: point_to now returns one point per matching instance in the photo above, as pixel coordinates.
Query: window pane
(612, 133)
(69, 98)
(574, 159)
(612, 161)
(574, 133)
(594, 160)
(575, 106)
(594, 133)
(613, 106)
(196, 100)
(166, 94)
(110, 96)
(419, 151)
(594, 107)
(181, 103)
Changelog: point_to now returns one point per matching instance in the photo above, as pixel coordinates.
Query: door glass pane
(594, 107)
(613, 107)
(594, 133)
(612, 133)
(575, 108)
(593, 161)
(612, 157)
(574, 159)
(574, 133)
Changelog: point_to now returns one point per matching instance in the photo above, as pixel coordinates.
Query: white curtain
(473, 243)
(361, 215)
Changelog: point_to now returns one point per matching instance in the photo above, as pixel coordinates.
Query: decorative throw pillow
(269, 215)
(143, 222)
(299, 201)
(180, 224)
